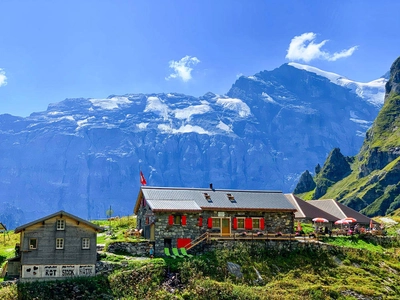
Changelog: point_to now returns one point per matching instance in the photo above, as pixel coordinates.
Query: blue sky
(52, 50)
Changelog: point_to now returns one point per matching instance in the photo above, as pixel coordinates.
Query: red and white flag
(142, 179)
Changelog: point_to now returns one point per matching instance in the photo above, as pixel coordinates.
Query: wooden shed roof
(59, 213)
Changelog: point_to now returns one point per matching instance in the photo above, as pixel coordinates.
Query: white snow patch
(172, 96)
(267, 98)
(69, 118)
(221, 125)
(359, 121)
(373, 91)
(142, 125)
(155, 104)
(187, 112)
(54, 113)
(111, 103)
(183, 129)
(83, 122)
(360, 133)
(236, 105)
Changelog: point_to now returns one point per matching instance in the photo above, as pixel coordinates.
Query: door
(226, 226)
(152, 232)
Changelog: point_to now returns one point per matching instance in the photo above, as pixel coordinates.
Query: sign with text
(48, 271)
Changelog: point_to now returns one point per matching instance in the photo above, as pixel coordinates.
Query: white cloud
(303, 48)
(3, 78)
(183, 68)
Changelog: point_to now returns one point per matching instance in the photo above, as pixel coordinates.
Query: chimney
(211, 186)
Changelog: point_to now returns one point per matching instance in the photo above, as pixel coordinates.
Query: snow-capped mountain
(373, 91)
(83, 155)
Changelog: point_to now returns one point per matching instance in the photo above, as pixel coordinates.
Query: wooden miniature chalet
(60, 245)
(174, 217)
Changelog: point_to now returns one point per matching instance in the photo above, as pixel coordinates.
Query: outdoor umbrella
(350, 219)
(342, 221)
(320, 220)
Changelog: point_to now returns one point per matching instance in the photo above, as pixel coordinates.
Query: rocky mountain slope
(83, 155)
(373, 186)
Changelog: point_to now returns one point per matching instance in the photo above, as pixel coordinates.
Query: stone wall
(140, 249)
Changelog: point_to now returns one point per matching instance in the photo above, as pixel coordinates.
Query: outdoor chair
(176, 253)
(167, 253)
(184, 253)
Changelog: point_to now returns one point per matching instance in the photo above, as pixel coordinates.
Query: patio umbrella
(342, 221)
(350, 219)
(320, 220)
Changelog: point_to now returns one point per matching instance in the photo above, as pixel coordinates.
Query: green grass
(354, 242)
(115, 230)
(7, 245)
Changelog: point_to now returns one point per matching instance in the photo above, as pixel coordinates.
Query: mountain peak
(372, 91)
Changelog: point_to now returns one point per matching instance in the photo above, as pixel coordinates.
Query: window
(207, 196)
(240, 223)
(177, 220)
(59, 243)
(85, 243)
(32, 243)
(60, 224)
(216, 222)
(256, 223)
(231, 197)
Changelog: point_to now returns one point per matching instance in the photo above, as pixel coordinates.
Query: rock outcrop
(306, 183)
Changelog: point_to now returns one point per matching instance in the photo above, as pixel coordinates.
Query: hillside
(279, 273)
(373, 185)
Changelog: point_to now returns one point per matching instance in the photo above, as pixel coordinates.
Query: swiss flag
(142, 179)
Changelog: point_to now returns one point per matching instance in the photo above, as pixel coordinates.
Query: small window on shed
(85, 243)
(59, 243)
(231, 198)
(32, 244)
(208, 197)
(60, 224)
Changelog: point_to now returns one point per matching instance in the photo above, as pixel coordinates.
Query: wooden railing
(203, 237)
(250, 236)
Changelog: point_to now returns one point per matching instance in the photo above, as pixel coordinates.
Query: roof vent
(231, 198)
(207, 196)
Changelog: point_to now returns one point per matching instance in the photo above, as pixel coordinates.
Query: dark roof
(61, 212)
(195, 199)
(339, 210)
(307, 211)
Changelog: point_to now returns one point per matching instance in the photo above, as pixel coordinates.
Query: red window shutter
(200, 222)
(171, 220)
(248, 223)
(209, 221)
(183, 220)
(262, 224)
(234, 223)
